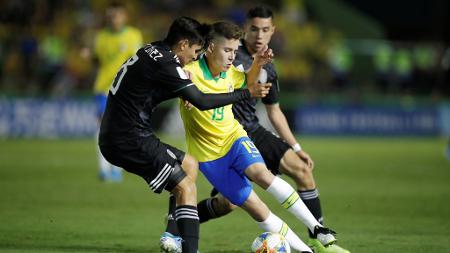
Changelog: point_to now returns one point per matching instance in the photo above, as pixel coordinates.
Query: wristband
(296, 147)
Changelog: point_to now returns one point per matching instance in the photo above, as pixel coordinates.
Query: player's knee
(304, 178)
(186, 189)
(190, 166)
(190, 162)
(189, 186)
(260, 175)
(302, 171)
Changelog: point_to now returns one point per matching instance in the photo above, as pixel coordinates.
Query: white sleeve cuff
(296, 147)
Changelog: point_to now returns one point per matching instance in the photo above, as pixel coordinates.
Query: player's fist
(259, 90)
(188, 105)
(264, 56)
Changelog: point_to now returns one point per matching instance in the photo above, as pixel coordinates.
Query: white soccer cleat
(324, 235)
(169, 243)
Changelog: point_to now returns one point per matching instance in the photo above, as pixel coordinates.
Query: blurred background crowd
(349, 49)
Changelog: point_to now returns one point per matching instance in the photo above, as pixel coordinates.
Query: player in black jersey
(154, 74)
(282, 154)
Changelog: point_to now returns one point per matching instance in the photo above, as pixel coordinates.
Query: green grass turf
(381, 195)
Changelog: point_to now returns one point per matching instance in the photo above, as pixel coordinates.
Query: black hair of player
(187, 28)
(116, 5)
(259, 12)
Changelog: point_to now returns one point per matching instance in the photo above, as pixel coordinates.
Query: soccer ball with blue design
(270, 243)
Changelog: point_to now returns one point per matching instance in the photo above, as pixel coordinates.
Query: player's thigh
(271, 147)
(259, 174)
(256, 208)
(156, 162)
(190, 166)
(248, 161)
(230, 183)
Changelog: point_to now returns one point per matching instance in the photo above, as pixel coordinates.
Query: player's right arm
(205, 101)
(174, 78)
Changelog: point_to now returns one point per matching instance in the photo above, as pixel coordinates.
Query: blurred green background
(384, 180)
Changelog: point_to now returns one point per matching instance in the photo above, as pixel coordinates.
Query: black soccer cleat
(324, 235)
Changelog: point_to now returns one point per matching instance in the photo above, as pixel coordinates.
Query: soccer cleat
(324, 235)
(169, 243)
(315, 245)
(334, 248)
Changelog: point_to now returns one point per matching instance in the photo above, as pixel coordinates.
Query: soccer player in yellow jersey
(113, 46)
(227, 157)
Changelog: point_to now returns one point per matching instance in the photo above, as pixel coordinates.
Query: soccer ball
(270, 243)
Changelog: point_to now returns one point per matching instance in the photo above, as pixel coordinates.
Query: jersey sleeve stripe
(184, 87)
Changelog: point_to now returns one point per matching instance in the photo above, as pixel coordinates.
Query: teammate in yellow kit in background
(114, 44)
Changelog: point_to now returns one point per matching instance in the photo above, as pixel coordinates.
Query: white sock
(276, 225)
(104, 166)
(116, 169)
(290, 200)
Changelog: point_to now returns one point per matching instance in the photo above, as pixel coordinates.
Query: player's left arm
(279, 122)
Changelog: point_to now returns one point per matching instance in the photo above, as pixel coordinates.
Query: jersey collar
(207, 73)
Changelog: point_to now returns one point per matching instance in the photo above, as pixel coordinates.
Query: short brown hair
(225, 29)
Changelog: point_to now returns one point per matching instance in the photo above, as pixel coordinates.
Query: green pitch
(381, 195)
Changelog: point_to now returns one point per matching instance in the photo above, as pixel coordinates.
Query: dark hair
(116, 5)
(225, 29)
(260, 12)
(187, 28)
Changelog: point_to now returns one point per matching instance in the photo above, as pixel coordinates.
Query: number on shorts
(122, 71)
(250, 146)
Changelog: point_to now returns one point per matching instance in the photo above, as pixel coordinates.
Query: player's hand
(264, 56)
(188, 74)
(259, 90)
(306, 158)
(188, 105)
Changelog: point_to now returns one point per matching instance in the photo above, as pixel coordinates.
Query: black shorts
(158, 163)
(271, 147)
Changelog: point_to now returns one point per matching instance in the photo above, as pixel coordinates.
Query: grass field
(381, 195)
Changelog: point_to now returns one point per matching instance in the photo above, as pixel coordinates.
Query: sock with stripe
(188, 226)
(171, 222)
(312, 201)
(206, 210)
(276, 225)
(289, 199)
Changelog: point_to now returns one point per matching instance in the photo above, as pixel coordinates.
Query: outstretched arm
(279, 122)
(209, 101)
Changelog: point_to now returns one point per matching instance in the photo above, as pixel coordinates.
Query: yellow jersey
(211, 133)
(112, 50)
